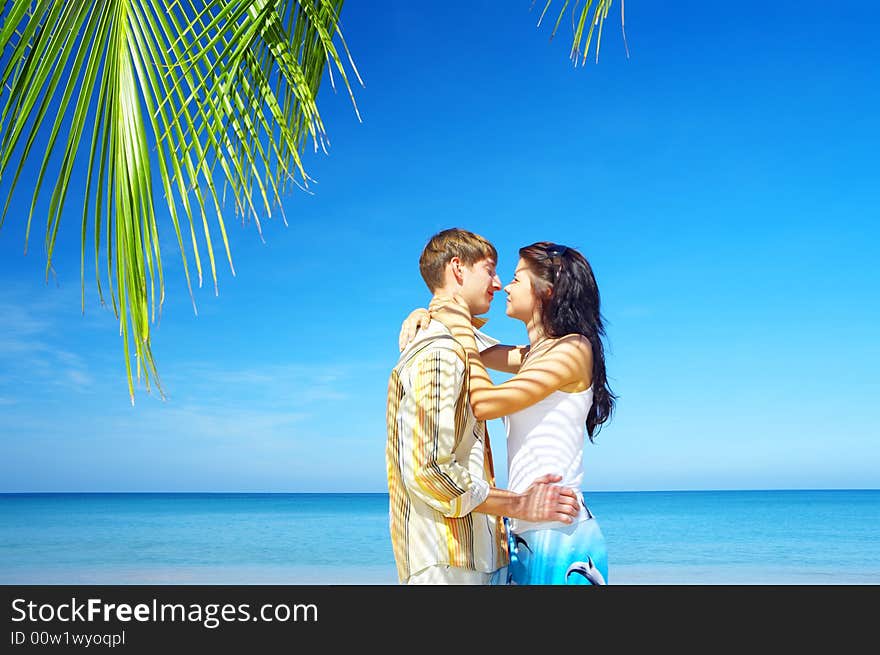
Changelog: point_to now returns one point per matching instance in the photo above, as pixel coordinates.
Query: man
(445, 512)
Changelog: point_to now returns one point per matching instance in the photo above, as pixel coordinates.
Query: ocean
(674, 537)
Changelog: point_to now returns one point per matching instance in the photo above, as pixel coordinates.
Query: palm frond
(179, 96)
(579, 25)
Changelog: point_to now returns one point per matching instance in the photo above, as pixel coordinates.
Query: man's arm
(542, 501)
(433, 475)
(430, 471)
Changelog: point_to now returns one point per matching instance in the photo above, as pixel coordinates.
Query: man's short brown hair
(454, 242)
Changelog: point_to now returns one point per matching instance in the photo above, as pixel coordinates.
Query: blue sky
(722, 181)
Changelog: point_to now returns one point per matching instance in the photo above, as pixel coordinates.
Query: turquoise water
(686, 537)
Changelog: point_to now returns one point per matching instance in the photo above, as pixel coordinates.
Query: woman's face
(522, 301)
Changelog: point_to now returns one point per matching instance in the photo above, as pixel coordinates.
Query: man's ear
(456, 265)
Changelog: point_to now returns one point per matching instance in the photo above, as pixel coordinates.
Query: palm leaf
(183, 97)
(579, 25)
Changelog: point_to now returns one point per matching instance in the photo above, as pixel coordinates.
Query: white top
(548, 437)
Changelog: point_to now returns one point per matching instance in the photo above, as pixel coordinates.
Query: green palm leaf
(579, 23)
(180, 96)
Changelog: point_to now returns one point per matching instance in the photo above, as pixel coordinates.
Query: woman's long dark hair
(572, 308)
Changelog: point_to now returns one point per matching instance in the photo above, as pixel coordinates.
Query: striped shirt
(439, 462)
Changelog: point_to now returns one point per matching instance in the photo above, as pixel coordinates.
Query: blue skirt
(573, 555)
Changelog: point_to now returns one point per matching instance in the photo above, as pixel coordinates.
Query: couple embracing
(449, 523)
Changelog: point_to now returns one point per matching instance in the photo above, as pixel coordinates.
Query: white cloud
(27, 353)
(293, 384)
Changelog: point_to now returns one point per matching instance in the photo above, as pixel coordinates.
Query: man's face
(479, 284)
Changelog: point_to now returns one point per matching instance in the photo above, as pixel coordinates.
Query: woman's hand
(418, 319)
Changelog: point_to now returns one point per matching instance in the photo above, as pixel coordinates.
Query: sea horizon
(385, 493)
(689, 536)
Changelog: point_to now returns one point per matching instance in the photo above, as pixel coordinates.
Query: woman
(559, 385)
